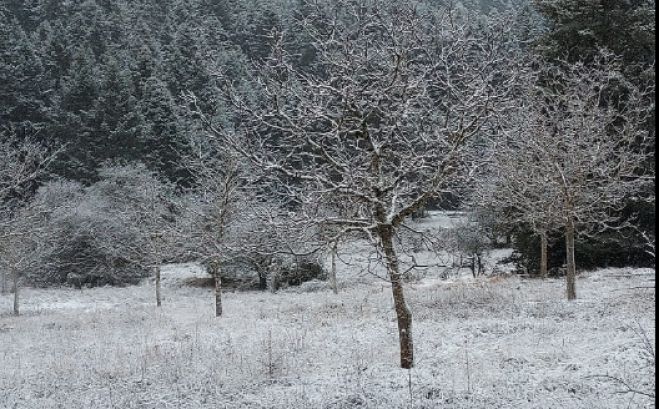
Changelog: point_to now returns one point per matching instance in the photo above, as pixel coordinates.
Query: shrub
(610, 249)
(99, 234)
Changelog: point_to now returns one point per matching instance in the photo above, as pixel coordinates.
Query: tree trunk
(543, 254)
(262, 268)
(273, 281)
(4, 282)
(215, 272)
(218, 295)
(158, 299)
(16, 292)
(404, 316)
(263, 280)
(571, 265)
(333, 282)
(419, 213)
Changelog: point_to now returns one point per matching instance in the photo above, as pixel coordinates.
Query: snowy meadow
(490, 342)
(331, 204)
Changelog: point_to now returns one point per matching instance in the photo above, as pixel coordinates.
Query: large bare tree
(388, 118)
(574, 152)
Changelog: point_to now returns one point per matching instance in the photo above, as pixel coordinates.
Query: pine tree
(187, 64)
(55, 51)
(22, 82)
(118, 120)
(75, 117)
(577, 29)
(162, 142)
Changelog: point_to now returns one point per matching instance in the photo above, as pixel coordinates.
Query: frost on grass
(506, 343)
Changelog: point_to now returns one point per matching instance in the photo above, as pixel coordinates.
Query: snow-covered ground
(485, 343)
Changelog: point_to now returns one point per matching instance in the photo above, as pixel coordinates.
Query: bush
(526, 252)
(244, 274)
(607, 250)
(296, 273)
(98, 234)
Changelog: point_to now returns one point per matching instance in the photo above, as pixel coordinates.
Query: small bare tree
(138, 211)
(25, 245)
(470, 243)
(23, 162)
(388, 119)
(211, 208)
(229, 222)
(517, 190)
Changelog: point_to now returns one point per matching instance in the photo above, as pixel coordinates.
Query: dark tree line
(105, 79)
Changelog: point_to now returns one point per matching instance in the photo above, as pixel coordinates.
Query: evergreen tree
(54, 50)
(187, 63)
(75, 117)
(22, 82)
(118, 121)
(578, 28)
(162, 140)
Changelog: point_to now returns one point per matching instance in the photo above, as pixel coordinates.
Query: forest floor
(479, 343)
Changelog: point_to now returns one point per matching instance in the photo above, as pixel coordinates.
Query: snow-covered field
(503, 343)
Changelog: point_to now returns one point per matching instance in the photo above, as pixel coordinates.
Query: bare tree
(470, 243)
(388, 119)
(574, 152)
(211, 209)
(22, 163)
(331, 235)
(231, 220)
(516, 189)
(137, 211)
(24, 245)
(226, 229)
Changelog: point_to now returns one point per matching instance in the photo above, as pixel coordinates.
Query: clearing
(480, 343)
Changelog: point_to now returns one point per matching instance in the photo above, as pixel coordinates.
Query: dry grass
(479, 344)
